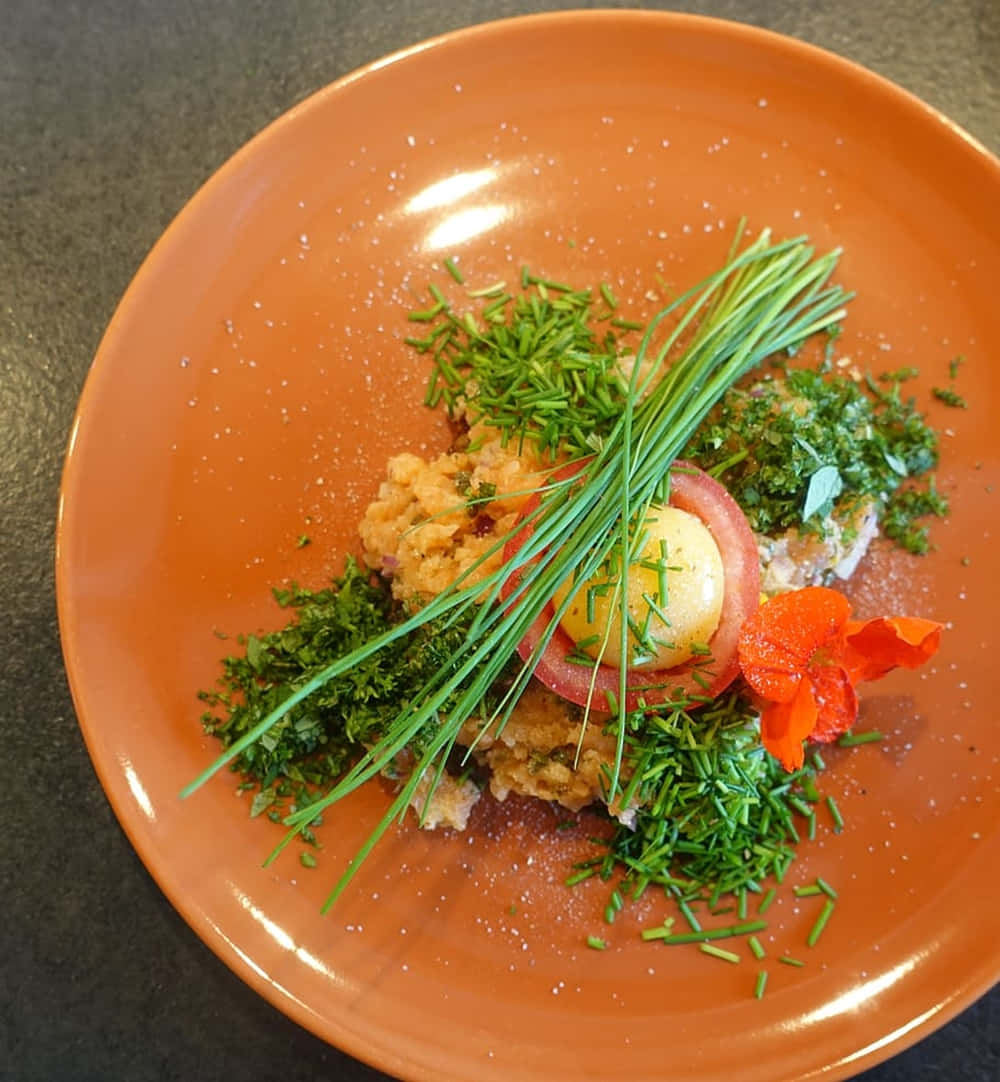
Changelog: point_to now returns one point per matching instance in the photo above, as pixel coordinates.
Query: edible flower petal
(877, 646)
(803, 655)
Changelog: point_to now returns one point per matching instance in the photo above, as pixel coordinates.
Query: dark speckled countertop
(112, 113)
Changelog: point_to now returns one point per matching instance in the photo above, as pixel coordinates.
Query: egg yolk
(675, 591)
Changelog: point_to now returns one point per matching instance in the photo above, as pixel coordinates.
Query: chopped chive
(818, 762)
(760, 985)
(548, 283)
(825, 887)
(688, 915)
(817, 928)
(718, 952)
(765, 902)
(808, 891)
(749, 926)
(852, 740)
(659, 932)
(756, 949)
(306, 859)
(838, 820)
(809, 790)
(596, 943)
(427, 314)
(626, 324)
(800, 806)
(493, 290)
(672, 939)
(788, 961)
(452, 268)
(579, 877)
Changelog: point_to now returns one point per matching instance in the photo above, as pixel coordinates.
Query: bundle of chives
(767, 298)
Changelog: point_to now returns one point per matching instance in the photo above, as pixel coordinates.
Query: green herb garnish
(822, 442)
(532, 367)
(949, 397)
(766, 299)
(712, 809)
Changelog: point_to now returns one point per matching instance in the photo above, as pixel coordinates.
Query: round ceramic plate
(250, 389)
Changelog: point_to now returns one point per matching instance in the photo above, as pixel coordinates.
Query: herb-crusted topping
(793, 449)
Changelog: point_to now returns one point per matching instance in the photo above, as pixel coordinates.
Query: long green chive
(768, 298)
(673, 938)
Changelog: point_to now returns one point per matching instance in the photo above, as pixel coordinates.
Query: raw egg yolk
(675, 591)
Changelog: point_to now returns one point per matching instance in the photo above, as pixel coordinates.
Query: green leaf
(896, 463)
(261, 802)
(825, 486)
(255, 653)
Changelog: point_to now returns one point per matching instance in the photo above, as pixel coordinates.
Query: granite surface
(112, 113)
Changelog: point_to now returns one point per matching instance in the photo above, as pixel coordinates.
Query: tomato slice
(699, 679)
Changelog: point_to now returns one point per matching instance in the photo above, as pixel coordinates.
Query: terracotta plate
(253, 383)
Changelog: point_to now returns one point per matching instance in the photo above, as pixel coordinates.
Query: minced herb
(902, 512)
(950, 397)
(477, 495)
(318, 739)
(794, 449)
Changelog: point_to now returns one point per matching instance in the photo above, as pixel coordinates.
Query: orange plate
(253, 383)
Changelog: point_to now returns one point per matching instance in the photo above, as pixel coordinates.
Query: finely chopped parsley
(411, 665)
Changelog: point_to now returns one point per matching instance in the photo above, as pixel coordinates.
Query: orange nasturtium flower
(803, 654)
